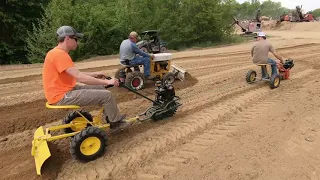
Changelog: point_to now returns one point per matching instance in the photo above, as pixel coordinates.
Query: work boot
(119, 125)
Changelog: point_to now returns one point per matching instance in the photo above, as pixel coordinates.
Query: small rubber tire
(163, 49)
(169, 77)
(144, 49)
(275, 81)
(117, 73)
(135, 76)
(251, 76)
(89, 144)
(75, 115)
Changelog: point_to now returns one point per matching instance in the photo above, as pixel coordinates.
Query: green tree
(16, 19)
(105, 24)
(273, 9)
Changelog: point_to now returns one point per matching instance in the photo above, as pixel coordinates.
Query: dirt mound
(292, 26)
(221, 116)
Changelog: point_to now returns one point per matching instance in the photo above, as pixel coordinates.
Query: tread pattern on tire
(80, 137)
(167, 75)
(249, 74)
(132, 75)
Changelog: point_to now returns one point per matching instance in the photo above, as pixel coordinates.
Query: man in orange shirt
(60, 76)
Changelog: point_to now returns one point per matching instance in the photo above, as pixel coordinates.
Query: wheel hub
(90, 146)
(137, 83)
(252, 77)
(276, 81)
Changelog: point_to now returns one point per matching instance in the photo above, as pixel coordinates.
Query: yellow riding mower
(161, 69)
(88, 133)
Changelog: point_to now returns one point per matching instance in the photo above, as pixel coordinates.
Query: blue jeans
(274, 69)
(142, 60)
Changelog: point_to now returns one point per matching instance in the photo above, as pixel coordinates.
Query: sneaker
(122, 117)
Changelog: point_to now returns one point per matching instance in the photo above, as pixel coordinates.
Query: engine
(162, 64)
(288, 64)
(164, 92)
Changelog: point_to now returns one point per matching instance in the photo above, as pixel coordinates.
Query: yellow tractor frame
(136, 80)
(156, 71)
(89, 145)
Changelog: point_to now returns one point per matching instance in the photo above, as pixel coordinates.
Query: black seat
(127, 64)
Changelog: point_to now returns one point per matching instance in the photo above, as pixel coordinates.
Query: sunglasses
(75, 38)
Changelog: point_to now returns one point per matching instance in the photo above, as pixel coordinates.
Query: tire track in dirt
(102, 68)
(102, 168)
(118, 145)
(10, 128)
(35, 113)
(246, 52)
(207, 62)
(9, 100)
(222, 125)
(38, 117)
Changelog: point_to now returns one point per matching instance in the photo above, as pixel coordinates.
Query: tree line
(28, 27)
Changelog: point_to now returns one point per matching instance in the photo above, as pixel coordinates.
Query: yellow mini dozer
(89, 138)
(161, 68)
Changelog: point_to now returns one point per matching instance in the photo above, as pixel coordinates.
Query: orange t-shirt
(56, 81)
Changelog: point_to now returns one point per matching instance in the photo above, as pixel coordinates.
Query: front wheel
(275, 81)
(168, 78)
(89, 144)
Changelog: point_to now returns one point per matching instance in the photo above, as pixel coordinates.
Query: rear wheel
(144, 49)
(251, 76)
(135, 80)
(163, 49)
(77, 121)
(89, 144)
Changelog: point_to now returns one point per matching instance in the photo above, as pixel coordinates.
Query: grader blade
(178, 71)
(40, 150)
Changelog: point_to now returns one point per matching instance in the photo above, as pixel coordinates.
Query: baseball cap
(260, 34)
(64, 31)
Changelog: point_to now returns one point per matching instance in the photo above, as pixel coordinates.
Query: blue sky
(307, 5)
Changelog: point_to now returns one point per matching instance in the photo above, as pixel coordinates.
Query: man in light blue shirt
(129, 51)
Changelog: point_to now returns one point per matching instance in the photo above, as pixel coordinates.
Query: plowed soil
(225, 129)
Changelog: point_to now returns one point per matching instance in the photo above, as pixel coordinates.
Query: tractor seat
(62, 106)
(262, 64)
(127, 64)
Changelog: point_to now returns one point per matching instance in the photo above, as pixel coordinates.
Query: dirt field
(226, 128)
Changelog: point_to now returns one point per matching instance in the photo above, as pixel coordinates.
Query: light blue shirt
(129, 49)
